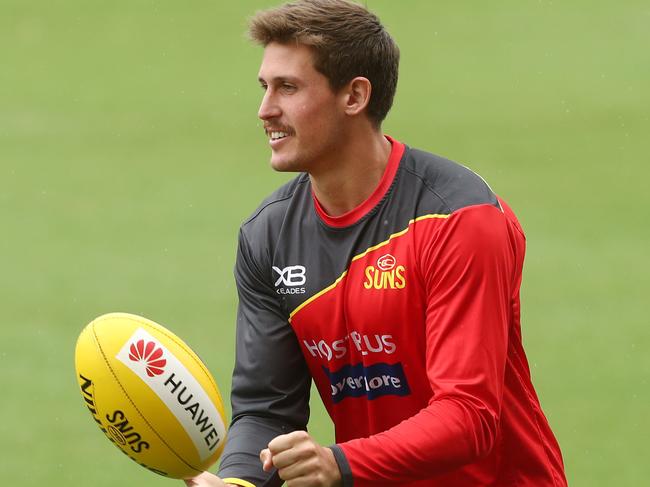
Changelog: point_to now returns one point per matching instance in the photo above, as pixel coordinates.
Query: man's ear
(357, 95)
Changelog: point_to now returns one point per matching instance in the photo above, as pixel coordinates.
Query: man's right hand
(206, 479)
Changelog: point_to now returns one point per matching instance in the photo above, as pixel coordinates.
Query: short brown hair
(347, 41)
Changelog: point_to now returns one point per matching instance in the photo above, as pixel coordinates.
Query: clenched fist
(301, 462)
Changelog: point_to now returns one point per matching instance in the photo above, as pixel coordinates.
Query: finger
(296, 471)
(267, 459)
(287, 457)
(285, 442)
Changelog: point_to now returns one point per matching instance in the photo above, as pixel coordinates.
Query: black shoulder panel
(455, 185)
(276, 203)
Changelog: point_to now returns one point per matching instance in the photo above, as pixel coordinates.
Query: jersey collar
(354, 215)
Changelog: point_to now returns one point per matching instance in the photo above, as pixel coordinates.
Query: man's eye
(288, 87)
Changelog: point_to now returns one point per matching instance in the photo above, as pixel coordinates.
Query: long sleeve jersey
(405, 313)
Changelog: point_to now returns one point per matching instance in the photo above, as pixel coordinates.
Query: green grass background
(130, 152)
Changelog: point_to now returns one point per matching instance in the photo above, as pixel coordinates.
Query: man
(387, 275)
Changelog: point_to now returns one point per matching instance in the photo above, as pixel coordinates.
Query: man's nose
(268, 108)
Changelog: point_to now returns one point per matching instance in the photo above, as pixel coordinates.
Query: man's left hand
(301, 462)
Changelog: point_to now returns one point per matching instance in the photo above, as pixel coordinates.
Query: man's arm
(271, 382)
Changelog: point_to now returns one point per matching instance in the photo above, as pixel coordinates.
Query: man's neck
(351, 179)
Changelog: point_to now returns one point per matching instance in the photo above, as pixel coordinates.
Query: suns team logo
(148, 353)
(386, 262)
(386, 274)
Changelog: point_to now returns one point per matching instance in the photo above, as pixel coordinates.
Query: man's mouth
(277, 135)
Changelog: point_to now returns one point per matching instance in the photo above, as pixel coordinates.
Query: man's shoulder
(454, 184)
(273, 208)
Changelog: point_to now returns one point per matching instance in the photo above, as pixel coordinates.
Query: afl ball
(150, 394)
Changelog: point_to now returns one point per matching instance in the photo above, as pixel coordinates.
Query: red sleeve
(469, 269)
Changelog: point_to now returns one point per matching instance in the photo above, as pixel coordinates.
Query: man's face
(303, 117)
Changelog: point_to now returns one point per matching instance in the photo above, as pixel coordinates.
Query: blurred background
(130, 153)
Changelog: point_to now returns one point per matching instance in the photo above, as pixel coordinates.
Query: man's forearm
(248, 436)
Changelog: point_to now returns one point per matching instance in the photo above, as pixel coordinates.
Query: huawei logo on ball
(147, 352)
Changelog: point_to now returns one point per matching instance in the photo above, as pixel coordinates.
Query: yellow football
(150, 394)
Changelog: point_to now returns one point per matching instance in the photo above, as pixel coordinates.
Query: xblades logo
(148, 353)
(291, 277)
(294, 275)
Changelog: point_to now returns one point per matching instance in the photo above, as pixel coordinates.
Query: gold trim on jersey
(362, 254)
(236, 481)
(317, 295)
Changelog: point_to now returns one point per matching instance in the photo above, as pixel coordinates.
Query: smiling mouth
(278, 135)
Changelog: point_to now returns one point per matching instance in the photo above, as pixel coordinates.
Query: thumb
(267, 459)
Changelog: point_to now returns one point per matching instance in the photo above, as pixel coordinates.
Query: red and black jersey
(405, 313)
